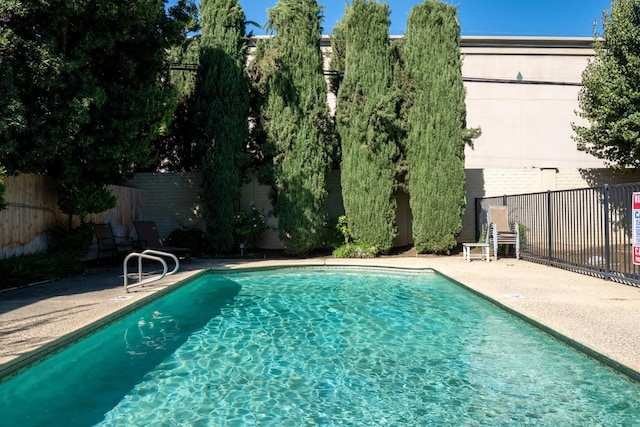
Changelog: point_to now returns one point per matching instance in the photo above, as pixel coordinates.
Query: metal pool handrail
(149, 254)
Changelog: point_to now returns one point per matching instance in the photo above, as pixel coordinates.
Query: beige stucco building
(523, 93)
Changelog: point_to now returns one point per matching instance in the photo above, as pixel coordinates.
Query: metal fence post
(476, 212)
(549, 226)
(607, 236)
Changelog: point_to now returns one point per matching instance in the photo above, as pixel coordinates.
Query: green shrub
(342, 228)
(336, 232)
(74, 241)
(522, 232)
(193, 238)
(83, 198)
(26, 269)
(249, 225)
(356, 250)
(344, 244)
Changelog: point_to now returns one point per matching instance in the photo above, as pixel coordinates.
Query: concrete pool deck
(600, 315)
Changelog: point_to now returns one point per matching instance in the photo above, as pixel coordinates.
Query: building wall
(172, 200)
(523, 94)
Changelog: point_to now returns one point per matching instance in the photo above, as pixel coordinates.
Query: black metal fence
(588, 230)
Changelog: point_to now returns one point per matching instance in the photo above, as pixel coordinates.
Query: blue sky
(562, 18)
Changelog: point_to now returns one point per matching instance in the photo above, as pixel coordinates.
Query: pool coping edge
(596, 355)
(16, 365)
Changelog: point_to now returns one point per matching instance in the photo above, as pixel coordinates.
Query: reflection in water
(151, 334)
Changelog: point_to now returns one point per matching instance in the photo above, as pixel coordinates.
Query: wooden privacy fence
(32, 210)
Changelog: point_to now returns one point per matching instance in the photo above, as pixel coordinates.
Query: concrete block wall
(257, 194)
(171, 200)
(253, 193)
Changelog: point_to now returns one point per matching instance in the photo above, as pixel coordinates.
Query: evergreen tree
(367, 124)
(178, 150)
(436, 125)
(296, 122)
(222, 108)
(610, 96)
(337, 55)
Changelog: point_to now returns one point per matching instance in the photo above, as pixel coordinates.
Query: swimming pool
(319, 347)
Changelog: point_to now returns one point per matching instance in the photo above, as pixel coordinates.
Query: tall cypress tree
(296, 122)
(222, 105)
(367, 125)
(436, 125)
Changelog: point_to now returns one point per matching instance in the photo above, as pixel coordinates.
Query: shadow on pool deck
(601, 315)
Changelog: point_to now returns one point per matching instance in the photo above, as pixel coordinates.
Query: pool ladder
(152, 255)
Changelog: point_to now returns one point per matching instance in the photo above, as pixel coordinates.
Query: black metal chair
(108, 243)
(149, 238)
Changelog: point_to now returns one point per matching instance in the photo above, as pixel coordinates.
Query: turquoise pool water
(319, 347)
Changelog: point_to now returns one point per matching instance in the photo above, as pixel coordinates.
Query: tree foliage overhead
(436, 125)
(86, 89)
(89, 76)
(11, 107)
(295, 119)
(367, 123)
(177, 150)
(221, 115)
(610, 96)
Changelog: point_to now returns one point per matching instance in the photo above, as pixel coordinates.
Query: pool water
(319, 347)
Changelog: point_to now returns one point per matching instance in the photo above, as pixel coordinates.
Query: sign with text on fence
(635, 227)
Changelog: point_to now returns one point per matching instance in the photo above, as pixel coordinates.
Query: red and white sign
(635, 227)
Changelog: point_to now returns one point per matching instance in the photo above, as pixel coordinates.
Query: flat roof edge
(495, 41)
(520, 41)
